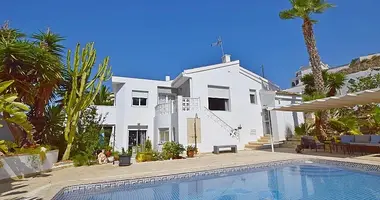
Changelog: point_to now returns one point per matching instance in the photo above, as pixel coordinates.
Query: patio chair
(344, 144)
(374, 144)
(308, 142)
(360, 144)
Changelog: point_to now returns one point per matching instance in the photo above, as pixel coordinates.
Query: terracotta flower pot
(190, 154)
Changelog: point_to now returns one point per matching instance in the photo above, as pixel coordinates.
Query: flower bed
(26, 165)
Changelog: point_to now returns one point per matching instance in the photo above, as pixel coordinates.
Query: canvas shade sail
(347, 100)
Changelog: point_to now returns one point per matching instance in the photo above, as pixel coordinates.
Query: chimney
(167, 78)
(226, 58)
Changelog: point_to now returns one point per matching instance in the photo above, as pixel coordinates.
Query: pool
(284, 180)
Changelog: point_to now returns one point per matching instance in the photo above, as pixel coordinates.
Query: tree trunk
(66, 155)
(37, 114)
(316, 68)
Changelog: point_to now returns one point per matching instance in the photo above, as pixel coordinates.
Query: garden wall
(24, 165)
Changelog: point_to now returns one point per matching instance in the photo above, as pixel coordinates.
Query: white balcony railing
(164, 108)
(190, 104)
(187, 104)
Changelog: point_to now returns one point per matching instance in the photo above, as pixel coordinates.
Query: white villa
(298, 87)
(221, 104)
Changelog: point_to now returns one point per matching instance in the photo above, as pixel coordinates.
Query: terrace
(47, 185)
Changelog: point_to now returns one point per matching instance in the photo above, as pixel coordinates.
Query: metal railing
(233, 132)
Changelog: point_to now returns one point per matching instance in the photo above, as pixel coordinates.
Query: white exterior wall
(286, 121)
(109, 112)
(242, 112)
(126, 114)
(194, 83)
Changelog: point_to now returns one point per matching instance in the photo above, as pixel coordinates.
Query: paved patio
(47, 185)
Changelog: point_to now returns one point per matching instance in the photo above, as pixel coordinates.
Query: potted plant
(115, 155)
(125, 158)
(108, 151)
(190, 151)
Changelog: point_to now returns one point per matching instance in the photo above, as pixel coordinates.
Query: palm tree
(50, 42)
(304, 9)
(334, 82)
(34, 67)
(104, 97)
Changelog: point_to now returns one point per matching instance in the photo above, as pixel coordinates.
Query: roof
(347, 100)
(183, 76)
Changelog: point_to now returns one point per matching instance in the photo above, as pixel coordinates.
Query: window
(218, 104)
(164, 135)
(252, 96)
(139, 98)
(218, 98)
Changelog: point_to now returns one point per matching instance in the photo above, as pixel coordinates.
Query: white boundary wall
(24, 165)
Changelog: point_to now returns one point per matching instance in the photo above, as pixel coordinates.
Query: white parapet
(26, 165)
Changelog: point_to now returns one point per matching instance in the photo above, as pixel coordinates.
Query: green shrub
(148, 145)
(172, 150)
(156, 156)
(83, 159)
(87, 140)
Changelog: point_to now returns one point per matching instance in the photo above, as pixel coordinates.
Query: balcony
(186, 104)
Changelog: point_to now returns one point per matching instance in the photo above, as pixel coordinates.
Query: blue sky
(151, 39)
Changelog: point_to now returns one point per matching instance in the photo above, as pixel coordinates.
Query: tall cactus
(83, 91)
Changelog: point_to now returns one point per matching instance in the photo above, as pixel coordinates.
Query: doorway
(136, 138)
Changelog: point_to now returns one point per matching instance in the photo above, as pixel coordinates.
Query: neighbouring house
(358, 67)
(221, 104)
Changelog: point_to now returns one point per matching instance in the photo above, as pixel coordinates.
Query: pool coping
(128, 182)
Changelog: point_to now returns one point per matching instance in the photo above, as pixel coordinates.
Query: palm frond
(51, 41)
(305, 8)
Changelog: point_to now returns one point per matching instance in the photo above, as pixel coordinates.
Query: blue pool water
(307, 182)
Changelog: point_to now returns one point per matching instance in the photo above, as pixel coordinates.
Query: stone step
(253, 146)
(258, 147)
(263, 140)
(258, 143)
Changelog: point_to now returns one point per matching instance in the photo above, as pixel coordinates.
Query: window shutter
(218, 92)
(140, 94)
(190, 131)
